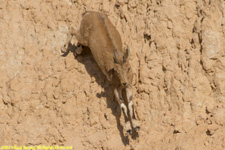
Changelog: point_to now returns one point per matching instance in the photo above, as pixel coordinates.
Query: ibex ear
(126, 54)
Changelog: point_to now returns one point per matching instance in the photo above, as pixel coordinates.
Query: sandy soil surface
(177, 50)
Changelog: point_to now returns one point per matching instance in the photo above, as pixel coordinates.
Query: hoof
(64, 49)
(128, 127)
(137, 128)
(129, 131)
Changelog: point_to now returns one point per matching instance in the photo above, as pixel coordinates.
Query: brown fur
(98, 33)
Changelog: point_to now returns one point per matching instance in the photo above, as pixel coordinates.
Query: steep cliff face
(177, 50)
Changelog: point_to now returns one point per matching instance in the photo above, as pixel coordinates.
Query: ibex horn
(126, 54)
(115, 59)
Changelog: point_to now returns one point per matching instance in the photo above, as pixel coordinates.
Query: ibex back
(98, 33)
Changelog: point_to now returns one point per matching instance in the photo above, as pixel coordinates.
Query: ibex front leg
(135, 122)
(118, 95)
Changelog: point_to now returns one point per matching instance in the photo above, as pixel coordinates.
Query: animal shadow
(94, 70)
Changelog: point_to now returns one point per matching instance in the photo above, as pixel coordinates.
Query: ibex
(98, 33)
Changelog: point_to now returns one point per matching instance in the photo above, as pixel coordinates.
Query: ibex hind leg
(79, 49)
(118, 95)
(135, 122)
(82, 41)
(82, 37)
(67, 45)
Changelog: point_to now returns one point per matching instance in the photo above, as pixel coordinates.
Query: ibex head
(122, 67)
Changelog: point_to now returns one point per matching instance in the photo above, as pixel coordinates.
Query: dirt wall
(177, 50)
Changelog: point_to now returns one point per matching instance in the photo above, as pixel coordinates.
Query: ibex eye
(111, 71)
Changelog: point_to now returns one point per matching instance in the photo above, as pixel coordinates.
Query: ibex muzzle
(98, 33)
